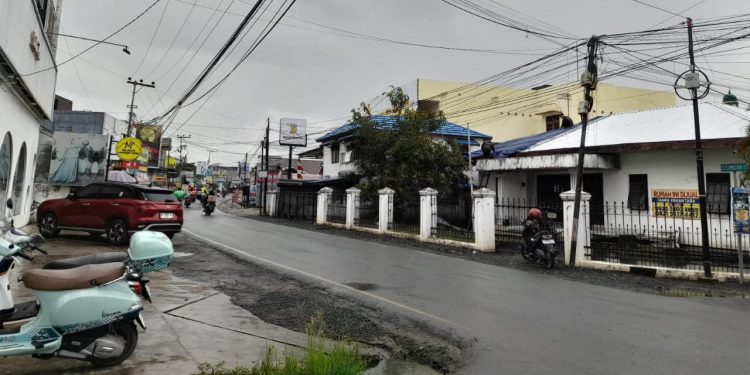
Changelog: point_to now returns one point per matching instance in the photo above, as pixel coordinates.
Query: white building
(339, 154)
(640, 169)
(28, 74)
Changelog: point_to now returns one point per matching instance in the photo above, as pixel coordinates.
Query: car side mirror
(9, 203)
(71, 196)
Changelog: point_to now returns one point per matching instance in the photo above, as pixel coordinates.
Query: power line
(97, 43)
(153, 36)
(661, 9)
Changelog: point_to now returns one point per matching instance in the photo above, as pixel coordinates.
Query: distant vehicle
(113, 208)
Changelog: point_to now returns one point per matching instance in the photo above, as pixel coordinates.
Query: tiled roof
(447, 129)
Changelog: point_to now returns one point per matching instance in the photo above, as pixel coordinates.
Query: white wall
(332, 170)
(18, 19)
(23, 127)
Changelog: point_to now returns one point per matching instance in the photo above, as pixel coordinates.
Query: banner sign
(293, 132)
(78, 159)
(676, 203)
(150, 136)
(736, 167)
(740, 210)
(128, 148)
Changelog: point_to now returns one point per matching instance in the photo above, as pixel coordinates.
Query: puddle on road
(363, 286)
(694, 293)
(394, 366)
(179, 254)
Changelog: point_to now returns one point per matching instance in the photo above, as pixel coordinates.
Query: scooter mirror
(37, 239)
(9, 203)
(4, 227)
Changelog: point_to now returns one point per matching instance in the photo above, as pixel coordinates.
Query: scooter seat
(64, 264)
(82, 277)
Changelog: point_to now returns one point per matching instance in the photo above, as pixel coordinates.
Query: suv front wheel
(117, 232)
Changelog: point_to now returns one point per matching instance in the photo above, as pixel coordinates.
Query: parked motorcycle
(86, 312)
(538, 243)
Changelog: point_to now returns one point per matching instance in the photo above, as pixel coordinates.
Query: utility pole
(244, 169)
(180, 138)
(588, 81)
(210, 151)
(132, 100)
(693, 83)
(265, 185)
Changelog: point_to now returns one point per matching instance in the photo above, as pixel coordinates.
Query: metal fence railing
(367, 211)
(297, 205)
(405, 214)
(669, 239)
(337, 208)
(510, 213)
(454, 219)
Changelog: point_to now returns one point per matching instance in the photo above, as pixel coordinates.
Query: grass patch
(342, 359)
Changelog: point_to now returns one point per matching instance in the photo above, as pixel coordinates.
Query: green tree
(405, 156)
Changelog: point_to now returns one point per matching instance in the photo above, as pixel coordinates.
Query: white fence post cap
(325, 190)
(483, 192)
(428, 191)
(353, 190)
(386, 190)
(570, 196)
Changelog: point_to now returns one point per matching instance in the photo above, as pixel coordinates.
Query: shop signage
(676, 203)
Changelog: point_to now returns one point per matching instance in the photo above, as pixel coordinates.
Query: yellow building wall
(509, 113)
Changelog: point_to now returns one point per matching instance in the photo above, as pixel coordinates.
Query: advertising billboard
(77, 159)
(293, 132)
(150, 136)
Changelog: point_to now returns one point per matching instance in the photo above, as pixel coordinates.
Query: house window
(638, 193)
(335, 154)
(717, 193)
(552, 121)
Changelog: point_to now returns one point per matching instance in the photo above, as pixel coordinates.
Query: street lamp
(124, 47)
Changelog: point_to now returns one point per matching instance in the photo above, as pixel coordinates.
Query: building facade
(28, 74)
(508, 113)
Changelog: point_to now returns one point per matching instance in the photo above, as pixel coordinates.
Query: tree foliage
(406, 156)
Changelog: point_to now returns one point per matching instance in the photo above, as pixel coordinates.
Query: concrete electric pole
(132, 100)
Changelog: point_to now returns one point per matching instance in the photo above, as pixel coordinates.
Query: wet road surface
(524, 323)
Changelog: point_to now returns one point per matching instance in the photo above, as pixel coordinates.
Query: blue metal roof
(514, 146)
(447, 129)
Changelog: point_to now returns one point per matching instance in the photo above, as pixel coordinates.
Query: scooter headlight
(135, 306)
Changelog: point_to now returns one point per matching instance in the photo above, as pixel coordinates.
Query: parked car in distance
(113, 208)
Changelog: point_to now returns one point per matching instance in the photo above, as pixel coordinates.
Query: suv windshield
(159, 196)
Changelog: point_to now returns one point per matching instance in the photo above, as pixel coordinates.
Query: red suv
(113, 208)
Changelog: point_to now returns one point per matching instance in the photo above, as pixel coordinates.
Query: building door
(549, 187)
(593, 183)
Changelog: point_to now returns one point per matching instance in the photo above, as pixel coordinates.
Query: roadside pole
(692, 84)
(289, 168)
(265, 184)
(740, 214)
(131, 114)
(109, 159)
(588, 81)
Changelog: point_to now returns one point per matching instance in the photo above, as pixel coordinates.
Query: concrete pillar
(584, 238)
(272, 202)
(484, 219)
(352, 206)
(385, 209)
(324, 196)
(427, 212)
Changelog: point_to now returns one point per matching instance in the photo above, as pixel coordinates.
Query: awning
(541, 162)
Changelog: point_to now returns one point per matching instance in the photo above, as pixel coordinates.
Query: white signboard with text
(293, 132)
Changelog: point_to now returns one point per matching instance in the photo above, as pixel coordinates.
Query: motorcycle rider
(531, 226)
(179, 193)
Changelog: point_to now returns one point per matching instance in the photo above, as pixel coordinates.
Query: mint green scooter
(87, 313)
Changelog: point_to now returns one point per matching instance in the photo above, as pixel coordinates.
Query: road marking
(319, 278)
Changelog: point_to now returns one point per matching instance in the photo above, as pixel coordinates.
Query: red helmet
(535, 213)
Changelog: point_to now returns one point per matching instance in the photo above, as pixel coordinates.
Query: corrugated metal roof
(514, 146)
(447, 129)
(657, 125)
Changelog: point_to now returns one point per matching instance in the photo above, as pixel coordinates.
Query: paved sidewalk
(188, 323)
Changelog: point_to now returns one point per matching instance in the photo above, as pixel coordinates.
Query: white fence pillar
(324, 195)
(272, 202)
(584, 239)
(484, 219)
(427, 212)
(385, 209)
(352, 206)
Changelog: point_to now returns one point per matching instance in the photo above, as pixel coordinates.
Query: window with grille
(335, 154)
(638, 192)
(553, 122)
(717, 193)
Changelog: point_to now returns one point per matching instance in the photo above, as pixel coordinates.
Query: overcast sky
(298, 72)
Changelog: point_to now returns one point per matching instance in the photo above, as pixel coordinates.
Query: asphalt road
(525, 323)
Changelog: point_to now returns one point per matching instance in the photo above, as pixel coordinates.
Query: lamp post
(124, 47)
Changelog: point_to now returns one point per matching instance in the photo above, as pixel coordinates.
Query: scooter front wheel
(125, 331)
